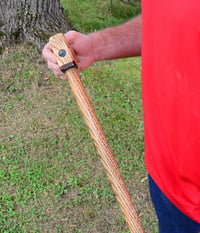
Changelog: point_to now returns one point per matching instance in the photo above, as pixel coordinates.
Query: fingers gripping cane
(66, 61)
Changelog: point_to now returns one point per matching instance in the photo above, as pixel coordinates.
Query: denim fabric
(170, 218)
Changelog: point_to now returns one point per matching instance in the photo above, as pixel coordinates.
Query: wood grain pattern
(57, 43)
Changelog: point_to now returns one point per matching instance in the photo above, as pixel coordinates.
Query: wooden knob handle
(61, 49)
(62, 52)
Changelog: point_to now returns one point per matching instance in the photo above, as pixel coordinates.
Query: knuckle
(50, 66)
(57, 73)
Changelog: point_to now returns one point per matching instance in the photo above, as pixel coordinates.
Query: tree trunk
(33, 21)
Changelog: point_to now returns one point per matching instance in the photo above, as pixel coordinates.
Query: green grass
(91, 15)
(51, 177)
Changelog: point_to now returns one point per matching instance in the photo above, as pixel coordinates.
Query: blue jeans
(170, 219)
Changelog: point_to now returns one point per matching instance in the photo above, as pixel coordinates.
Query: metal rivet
(62, 53)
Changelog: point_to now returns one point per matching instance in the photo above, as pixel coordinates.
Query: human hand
(82, 47)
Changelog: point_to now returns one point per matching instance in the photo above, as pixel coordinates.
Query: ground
(52, 179)
(51, 176)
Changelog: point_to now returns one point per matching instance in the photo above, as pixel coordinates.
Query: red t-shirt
(171, 99)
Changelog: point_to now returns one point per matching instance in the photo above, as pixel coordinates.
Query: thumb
(72, 36)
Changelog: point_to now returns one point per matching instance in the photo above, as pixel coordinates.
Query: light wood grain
(57, 43)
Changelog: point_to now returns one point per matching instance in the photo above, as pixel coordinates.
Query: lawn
(51, 176)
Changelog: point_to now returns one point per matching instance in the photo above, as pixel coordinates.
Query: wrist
(98, 46)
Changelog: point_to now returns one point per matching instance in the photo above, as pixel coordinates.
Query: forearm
(118, 42)
(111, 43)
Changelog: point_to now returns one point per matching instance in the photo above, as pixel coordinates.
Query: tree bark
(33, 21)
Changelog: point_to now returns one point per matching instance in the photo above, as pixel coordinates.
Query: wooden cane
(66, 61)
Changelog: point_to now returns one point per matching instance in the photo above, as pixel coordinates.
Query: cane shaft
(58, 44)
